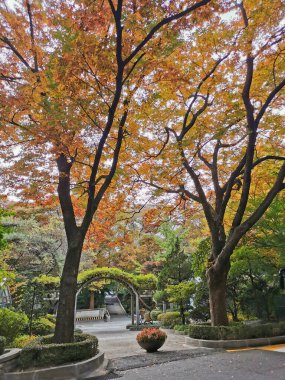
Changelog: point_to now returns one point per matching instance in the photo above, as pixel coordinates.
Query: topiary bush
(12, 324)
(236, 332)
(43, 352)
(2, 344)
(42, 326)
(170, 318)
(155, 313)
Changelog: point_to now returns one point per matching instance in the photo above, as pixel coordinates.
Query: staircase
(114, 306)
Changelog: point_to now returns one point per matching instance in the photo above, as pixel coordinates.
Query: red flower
(151, 335)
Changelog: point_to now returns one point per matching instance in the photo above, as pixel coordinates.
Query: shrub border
(42, 352)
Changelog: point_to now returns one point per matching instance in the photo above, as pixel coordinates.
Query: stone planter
(152, 346)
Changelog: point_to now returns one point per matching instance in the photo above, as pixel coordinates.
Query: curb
(242, 343)
(64, 372)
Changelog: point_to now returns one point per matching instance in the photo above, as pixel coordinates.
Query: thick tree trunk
(217, 280)
(64, 328)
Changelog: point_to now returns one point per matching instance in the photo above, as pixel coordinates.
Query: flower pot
(152, 346)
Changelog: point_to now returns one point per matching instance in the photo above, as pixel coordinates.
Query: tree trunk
(64, 328)
(217, 279)
(182, 314)
(91, 300)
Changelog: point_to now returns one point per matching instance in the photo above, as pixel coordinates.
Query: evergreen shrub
(236, 332)
(43, 352)
(12, 324)
(42, 326)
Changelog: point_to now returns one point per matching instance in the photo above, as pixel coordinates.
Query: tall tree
(69, 75)
(217, 128)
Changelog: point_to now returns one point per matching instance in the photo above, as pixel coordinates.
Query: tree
(69, 75)
(176, 271)
(222, 117)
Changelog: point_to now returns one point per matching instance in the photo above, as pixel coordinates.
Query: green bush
(22, 340)
(12, 324)
(42, 326)
(170, 318)
(154, 314)
(51, 318)
(236, 331)
(2, 344)
(42, 352)
(181, 328)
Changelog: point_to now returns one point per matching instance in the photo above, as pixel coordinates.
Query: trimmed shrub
(42, 326)
(22, 340)
(12, 324)
(2, 344)
(236, 332)
(42, 352)
(170, 318)
(154, 314)
(142, 326)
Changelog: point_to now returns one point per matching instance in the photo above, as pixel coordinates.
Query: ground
(175, 361)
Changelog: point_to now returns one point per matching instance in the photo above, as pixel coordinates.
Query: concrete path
(117, 342)
(175, 361)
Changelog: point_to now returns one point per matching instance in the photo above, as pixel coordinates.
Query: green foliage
(200, 310)
(252, 283)
(42, 326)
(160, 296)
(238, 331)
(170, 318)
(181, 328)
(176, 266)
(22, 340)
(180, 293)
(154, 314)
(12, 324)
(140, 282)
(2, 344)
(42, 352)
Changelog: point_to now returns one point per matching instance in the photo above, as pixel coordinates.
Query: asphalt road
(175, 361)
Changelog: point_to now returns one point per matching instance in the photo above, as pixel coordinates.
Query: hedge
(2, 344)
(42, 352)
(236, 332)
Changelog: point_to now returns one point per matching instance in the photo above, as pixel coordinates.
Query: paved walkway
(175, 361)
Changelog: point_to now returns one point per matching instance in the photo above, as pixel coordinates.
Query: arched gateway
(135, 283)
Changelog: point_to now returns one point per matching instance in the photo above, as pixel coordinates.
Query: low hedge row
(2, 344)
(142, 326)
(236, 332)
(42, 352)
